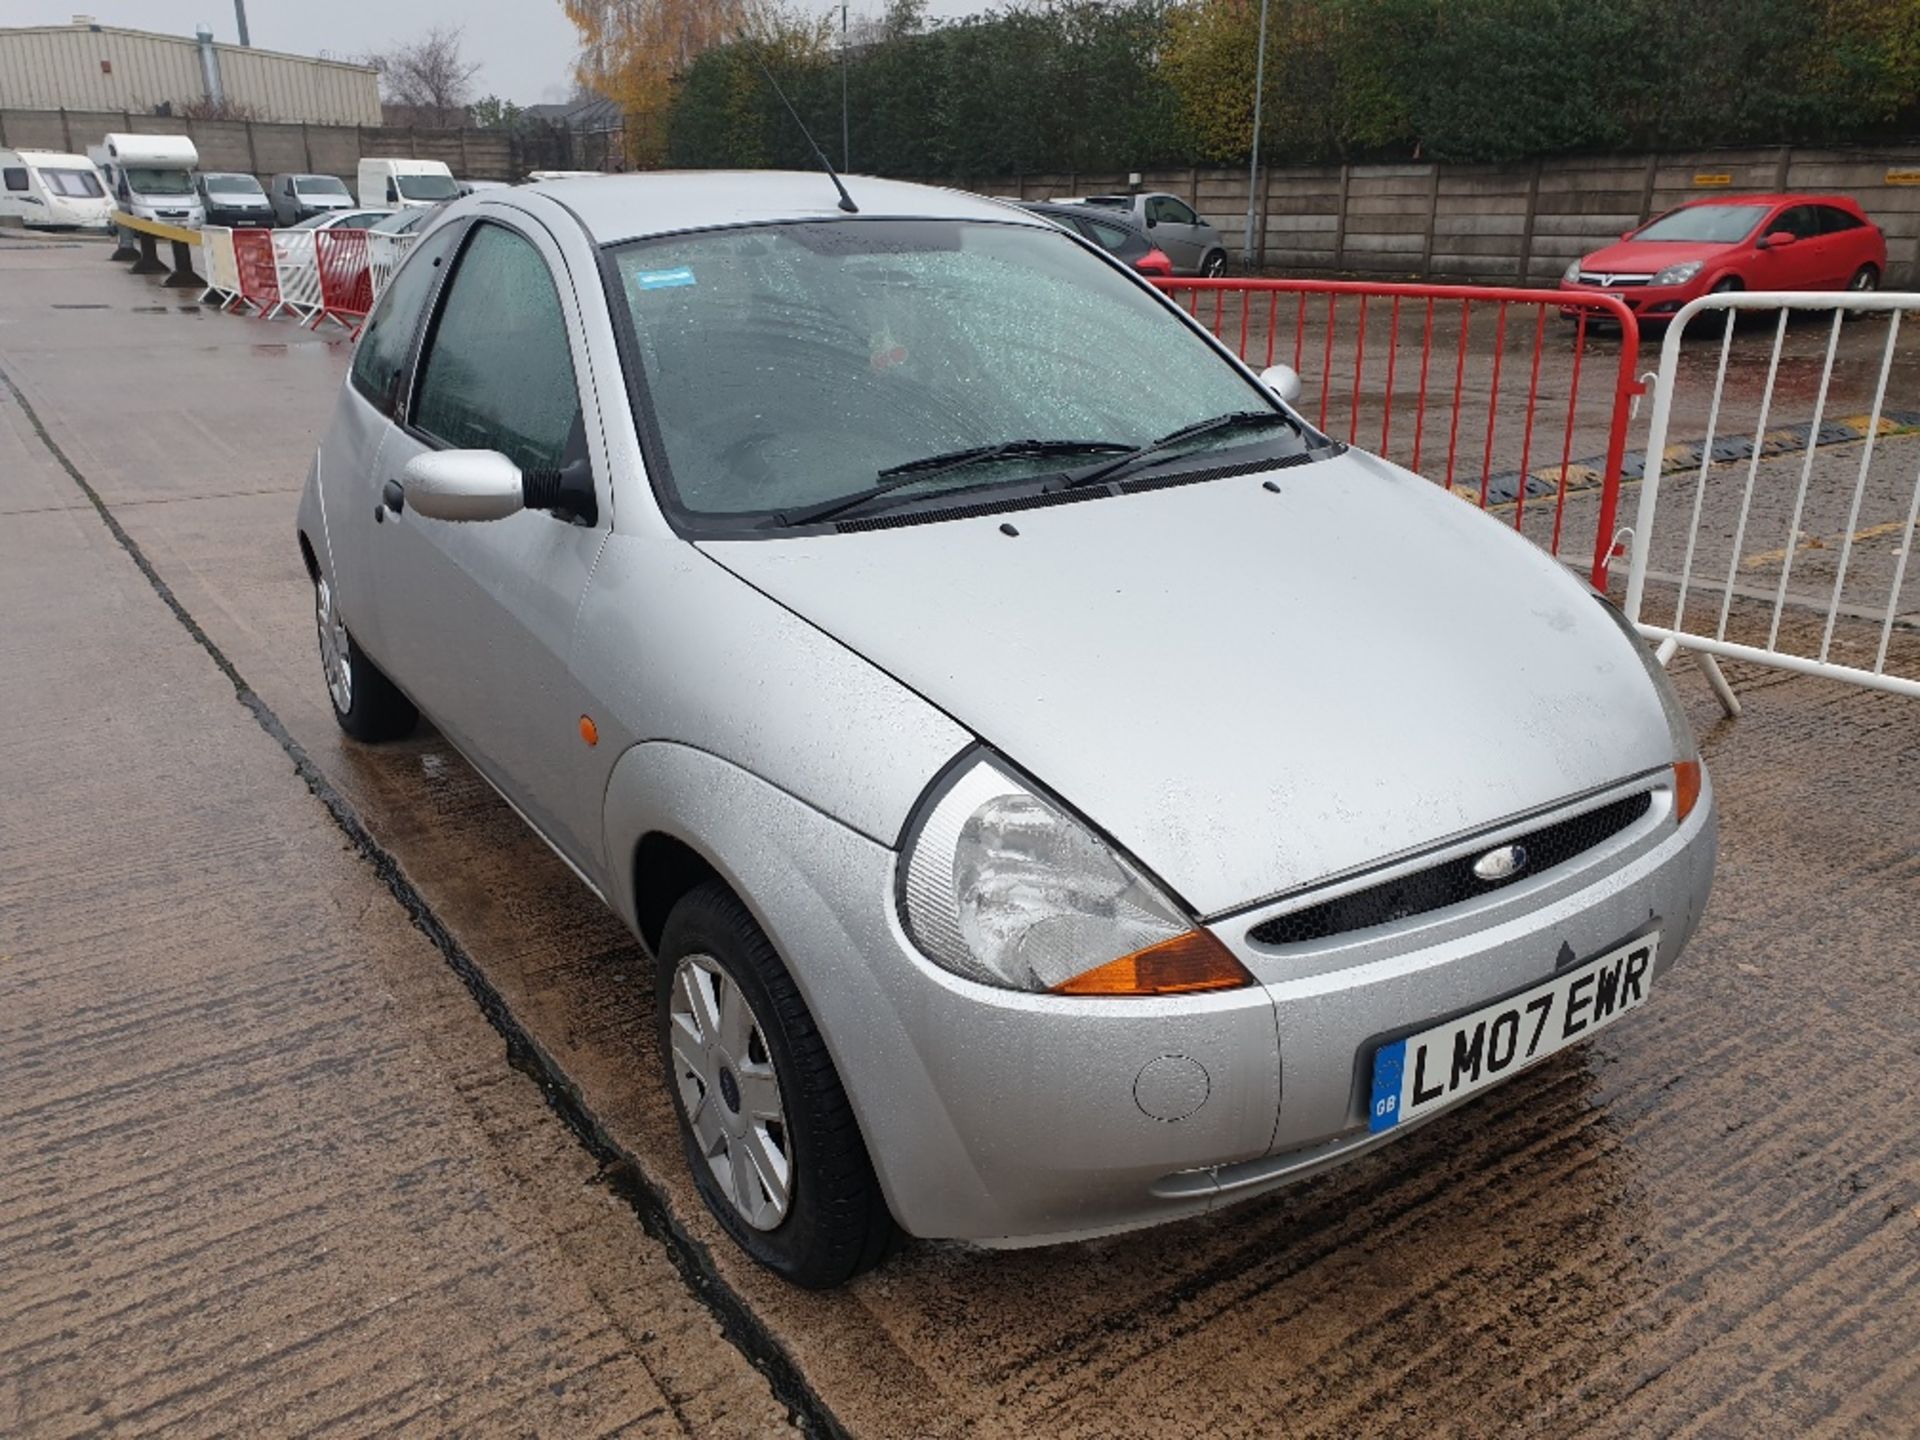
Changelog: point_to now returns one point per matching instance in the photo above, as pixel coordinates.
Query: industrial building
(87, 66)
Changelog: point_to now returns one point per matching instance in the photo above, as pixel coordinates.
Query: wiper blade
(1232, 420)
(929, 467)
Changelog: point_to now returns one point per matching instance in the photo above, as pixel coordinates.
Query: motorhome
(48, 190)
(151, 177)
(396, 184)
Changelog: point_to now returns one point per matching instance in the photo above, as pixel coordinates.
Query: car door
(1176, 230)
(477, 617)
(373, 400)
(1796, 266)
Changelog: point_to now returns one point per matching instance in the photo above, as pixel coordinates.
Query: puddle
(83, 307)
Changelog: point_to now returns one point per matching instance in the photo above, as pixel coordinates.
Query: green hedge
(1074, 85)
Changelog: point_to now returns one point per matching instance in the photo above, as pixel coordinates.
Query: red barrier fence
(259, 277)
(1525, 449)
(346, 283)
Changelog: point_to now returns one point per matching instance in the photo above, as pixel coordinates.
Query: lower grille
(1451, 881)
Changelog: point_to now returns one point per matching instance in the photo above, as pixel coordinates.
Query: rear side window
(380, 361)
(16, 177)
(497, 373)
(1833, 219)
(1111, 237)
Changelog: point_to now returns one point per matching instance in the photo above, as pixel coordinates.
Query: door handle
(394, 496)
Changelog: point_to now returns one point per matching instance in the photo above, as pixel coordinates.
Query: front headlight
(1004, 887)
(1686, 750)
(1572, 272)
(1678, 274)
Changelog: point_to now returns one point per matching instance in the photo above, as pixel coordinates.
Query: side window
(1169, 211)
(16, 176)
(1802, 221)
(1110, 237)
(380, 360)
(497, 373)
(1833, 220)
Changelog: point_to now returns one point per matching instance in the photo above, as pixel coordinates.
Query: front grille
(1608, 281)
(1452, 881)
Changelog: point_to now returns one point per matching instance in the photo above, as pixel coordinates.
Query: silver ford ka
(1061, 789)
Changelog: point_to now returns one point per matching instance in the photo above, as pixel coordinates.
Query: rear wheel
(767, 1128)
(368, 706)
(1866, 279)
(1215, 265)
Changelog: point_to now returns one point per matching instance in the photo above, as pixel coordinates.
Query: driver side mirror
(1282, 380)
(464, 485)
(1777, 240)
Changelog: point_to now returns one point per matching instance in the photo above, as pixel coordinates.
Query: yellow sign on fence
(1716, 177)
(1903, 177)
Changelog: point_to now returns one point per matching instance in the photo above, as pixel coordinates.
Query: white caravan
(405, 184)
(151, 177)
(47, 190)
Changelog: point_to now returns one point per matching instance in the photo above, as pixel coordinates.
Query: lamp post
(845, 148)
(1253, 166)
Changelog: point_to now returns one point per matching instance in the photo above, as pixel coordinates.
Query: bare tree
(428, 78)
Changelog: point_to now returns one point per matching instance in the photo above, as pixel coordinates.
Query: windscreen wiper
(1232, 420)
(929, 467)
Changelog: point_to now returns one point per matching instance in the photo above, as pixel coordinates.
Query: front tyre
(368, 706)
(769, 1134)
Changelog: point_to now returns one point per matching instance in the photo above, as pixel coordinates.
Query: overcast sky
(525, 47)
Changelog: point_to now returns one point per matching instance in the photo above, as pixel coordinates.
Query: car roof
(613, 208)
(1778, 197)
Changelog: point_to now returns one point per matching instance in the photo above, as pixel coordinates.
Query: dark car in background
(1116, 234)
(301, 197)
(234, 199)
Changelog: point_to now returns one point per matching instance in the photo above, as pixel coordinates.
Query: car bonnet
(1248, 690)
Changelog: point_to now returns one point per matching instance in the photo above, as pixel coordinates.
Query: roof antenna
(846, 200)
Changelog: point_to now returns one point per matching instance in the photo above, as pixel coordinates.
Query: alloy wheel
(1865, 280)
(730, 1091)
(334, 655)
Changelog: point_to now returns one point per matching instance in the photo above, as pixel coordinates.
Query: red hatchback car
(1736, 242)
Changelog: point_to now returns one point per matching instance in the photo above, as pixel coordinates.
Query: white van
(405, 184)
(46, 190)
(151, 176)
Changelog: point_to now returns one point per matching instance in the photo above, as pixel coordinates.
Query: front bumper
(1647, 302)
(1009, 1118)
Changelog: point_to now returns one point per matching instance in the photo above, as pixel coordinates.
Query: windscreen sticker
(662, 279)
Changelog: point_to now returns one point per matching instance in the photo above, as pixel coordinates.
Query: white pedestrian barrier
(1785, 497)
(298, 268)
(384, 254)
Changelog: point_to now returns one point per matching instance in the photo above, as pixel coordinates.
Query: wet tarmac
(264, 1165)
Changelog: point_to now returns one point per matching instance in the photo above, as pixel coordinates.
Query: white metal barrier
(223, 270)
(1887, 499)
(384, 253)
(298, 268)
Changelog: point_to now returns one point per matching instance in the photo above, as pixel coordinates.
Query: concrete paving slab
(263, 1167)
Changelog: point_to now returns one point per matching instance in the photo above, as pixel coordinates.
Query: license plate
(1426, 1072)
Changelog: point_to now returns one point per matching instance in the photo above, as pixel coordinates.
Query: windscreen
(427, 187)
(144, 181)
(1713, 224)
(319, 185)
(233, 185)
(73, 184)
(789, 364)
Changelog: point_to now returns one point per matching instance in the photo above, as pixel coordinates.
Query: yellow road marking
(1814, 542)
